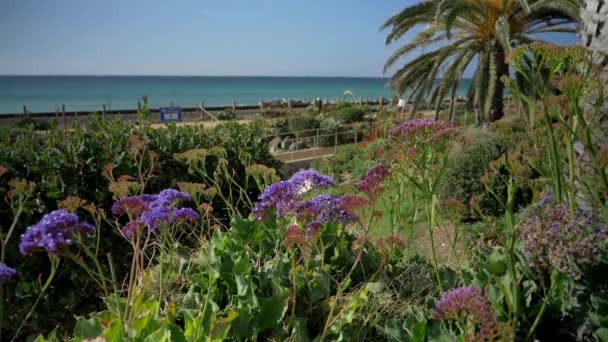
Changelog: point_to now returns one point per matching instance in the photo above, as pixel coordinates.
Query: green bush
(462, 179)
(349, 114)
(303, 123)
(226, 115)
(327, 130)
(349, 162)
(64, 164)
(273, 113)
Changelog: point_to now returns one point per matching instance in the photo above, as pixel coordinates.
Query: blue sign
(171, 114)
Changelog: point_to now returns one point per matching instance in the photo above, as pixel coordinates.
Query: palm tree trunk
(414, 110)
(502, 69)
(452, 103)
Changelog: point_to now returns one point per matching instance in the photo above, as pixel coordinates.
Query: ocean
(89, 93)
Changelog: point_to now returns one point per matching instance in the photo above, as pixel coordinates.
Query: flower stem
(54, 266)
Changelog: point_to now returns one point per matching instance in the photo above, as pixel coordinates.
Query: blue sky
(195, 37)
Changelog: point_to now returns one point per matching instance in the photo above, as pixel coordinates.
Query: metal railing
(318, 143)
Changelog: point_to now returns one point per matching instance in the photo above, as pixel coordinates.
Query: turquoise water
(89, 93)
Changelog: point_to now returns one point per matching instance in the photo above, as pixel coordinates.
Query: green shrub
(327, 130)
(349, 162)
(273, 113)
(64, 164)
(226, 115)
(462, 179)
(303, 123)
(349, 114)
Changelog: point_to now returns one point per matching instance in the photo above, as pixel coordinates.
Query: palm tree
(458, 32)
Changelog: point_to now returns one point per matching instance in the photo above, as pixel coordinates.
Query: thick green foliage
(349, 162)
(226, 115)
(303, 123)
(349, 113)
(462, 179)
(71, 164)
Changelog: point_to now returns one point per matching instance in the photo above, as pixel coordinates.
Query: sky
(196, 37)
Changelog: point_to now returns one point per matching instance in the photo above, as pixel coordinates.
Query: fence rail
(317, 143)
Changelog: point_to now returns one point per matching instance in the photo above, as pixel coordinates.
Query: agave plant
(459, 32)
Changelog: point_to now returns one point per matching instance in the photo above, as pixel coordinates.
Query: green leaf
(602, 334)
(222, 326)
(419, 332)
(273, 308)
(88, 328)
(320, 287)
(299, 332)
(394, 331)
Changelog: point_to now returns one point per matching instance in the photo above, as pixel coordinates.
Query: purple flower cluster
(435, 130)
(54, 232)
(154, 211)
(304, 181)
(7, 274)
(552, 238)
(322, 209)
(470, 304)
(372, 182)
(285, 196)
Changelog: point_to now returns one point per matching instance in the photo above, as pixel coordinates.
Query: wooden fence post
(233, 105)
(261, 104)
(24, 110)
(103, 111)
(289, 104)
(381, 102)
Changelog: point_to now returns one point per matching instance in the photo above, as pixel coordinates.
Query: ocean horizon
(46, 93)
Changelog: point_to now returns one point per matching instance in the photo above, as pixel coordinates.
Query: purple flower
(552, 238)
(322, 209)
(185, 215)
(284, 197)
(154, 211)
(54, 232)
(372, 182)
(173, 197)
(429, 127)
(156, 216)
(131, 228)
(133, 206)
(471, 305)
(7, 274)
(304, 181)
(281, 196)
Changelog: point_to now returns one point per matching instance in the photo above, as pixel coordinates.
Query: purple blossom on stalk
(281, 196)
(156, 216)
(471, 305)
(154, 211)
(552, 238)
(53, 233)
(132, 205)
(131, 228)
(172, 197)
(284, 196)
(322, 209)
(372, 182)
(435, 129)
(304, 181)
(185, 215)
(7, 274)
(351, 203)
